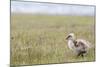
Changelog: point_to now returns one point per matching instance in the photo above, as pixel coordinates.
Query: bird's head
(70, 36)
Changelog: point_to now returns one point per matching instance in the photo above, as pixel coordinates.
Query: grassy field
(40, 39)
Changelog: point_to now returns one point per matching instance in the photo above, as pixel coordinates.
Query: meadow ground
(40, 39)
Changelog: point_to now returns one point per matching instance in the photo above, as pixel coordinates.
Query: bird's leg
(82, 55)
(78, 54)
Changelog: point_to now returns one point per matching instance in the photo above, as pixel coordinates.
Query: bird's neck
(71, 43)
(71, 40)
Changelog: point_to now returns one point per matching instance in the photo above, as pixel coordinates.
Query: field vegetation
(40, 39)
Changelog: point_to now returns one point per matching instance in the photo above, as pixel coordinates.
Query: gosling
(78, 46)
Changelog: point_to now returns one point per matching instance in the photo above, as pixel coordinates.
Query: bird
(78, 46)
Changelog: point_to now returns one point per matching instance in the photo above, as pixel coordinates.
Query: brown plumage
(79, 46)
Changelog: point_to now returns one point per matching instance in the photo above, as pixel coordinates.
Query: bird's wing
(83, 43)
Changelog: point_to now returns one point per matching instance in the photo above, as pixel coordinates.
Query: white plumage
(79, 46)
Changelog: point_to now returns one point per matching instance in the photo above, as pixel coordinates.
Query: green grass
(40, 39)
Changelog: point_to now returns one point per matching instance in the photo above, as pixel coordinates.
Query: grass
(40, 39)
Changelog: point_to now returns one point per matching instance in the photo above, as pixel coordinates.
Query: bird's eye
(68, 37)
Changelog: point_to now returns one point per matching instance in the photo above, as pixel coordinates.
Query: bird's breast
(71, 44)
